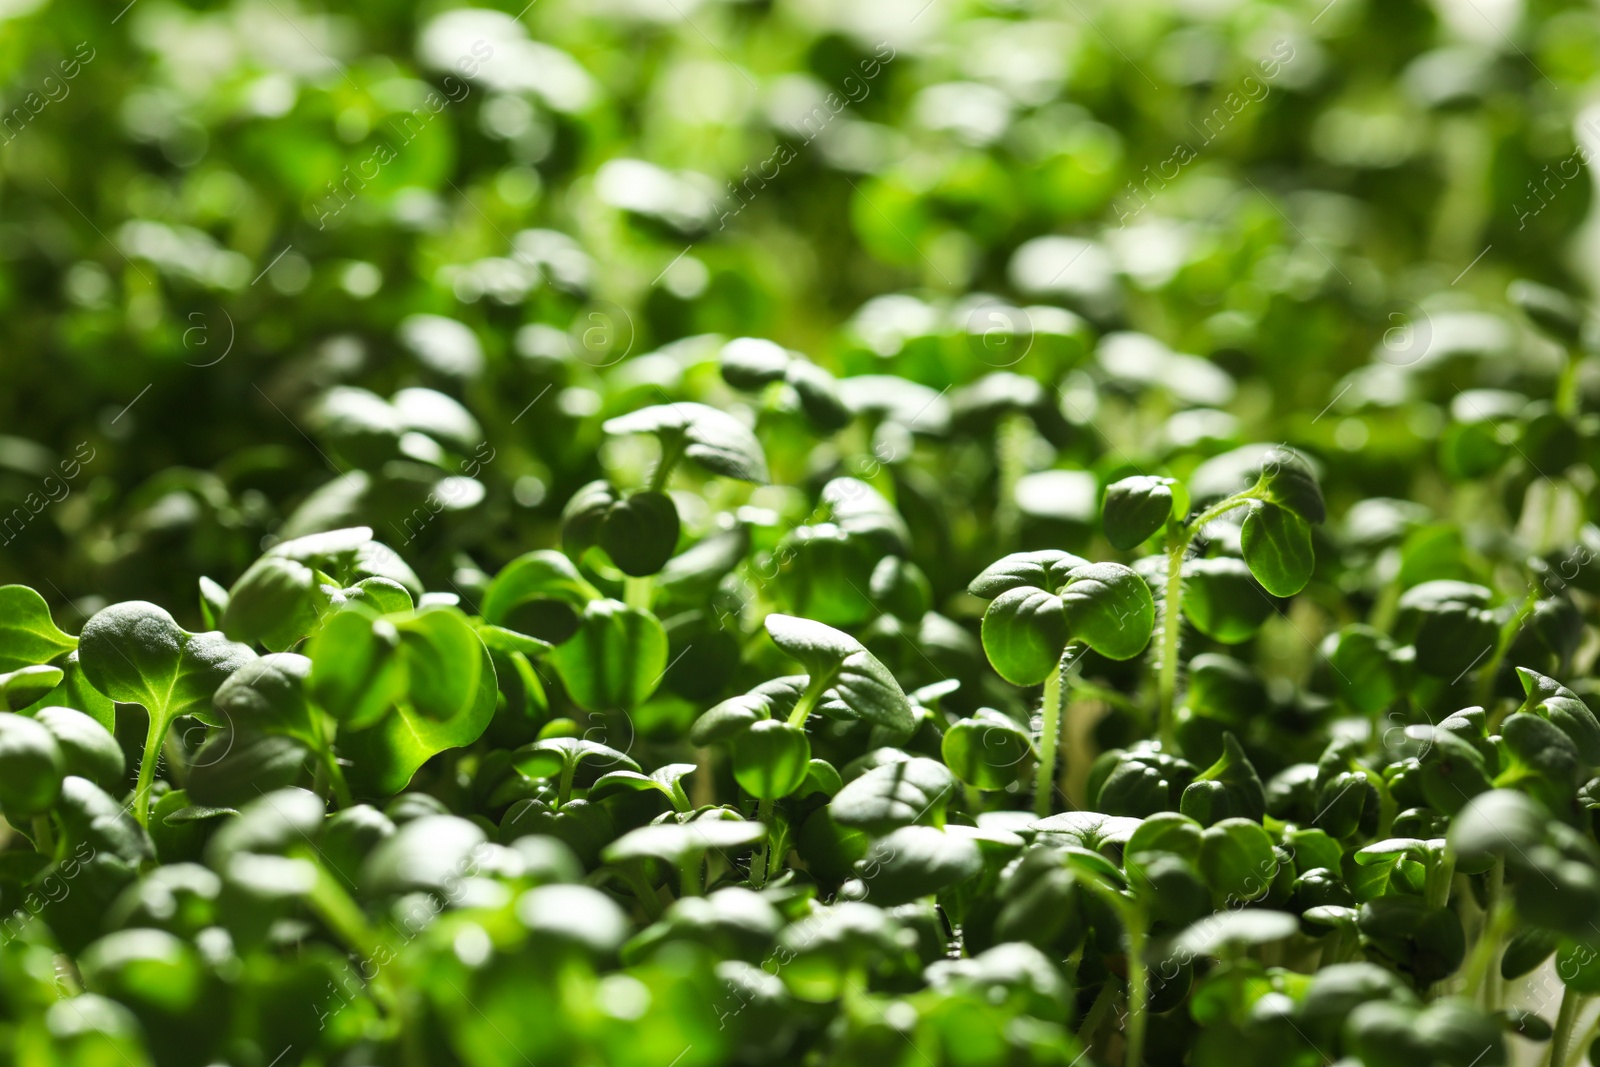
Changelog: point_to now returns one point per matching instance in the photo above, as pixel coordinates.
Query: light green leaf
(28, 636)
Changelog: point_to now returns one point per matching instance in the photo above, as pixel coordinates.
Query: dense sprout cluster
(672, 533)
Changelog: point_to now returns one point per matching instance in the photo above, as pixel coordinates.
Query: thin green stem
(1482, 970)
(336, 779)
(1436, 892)
(1566, 399)
(564, 785)
(760, 864)
(815, 687)
(147, 767)
(1138, 989)
(1055, 699)
(671, 452)
(1171, 622)
(44, 839)
(689, 880)
(1179, 537)
(1097, 1012)
(639, 593)
(1571, 1001)
(1011, 446)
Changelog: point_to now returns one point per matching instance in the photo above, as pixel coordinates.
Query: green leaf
(676, 843)
(666, 780)
(554, 756)
(1223, 600)
(443, 660)
(1365, 672)
(1229, 788)
(28, 685)
(1451, 625)
(1565, 709)
(349, 555)
(1109, 608)
(213, 602)
(1136, 508)
(753, 363)
(916, 861)
(1496, 824)
(714, 439)
(28, 636)
(732, 717)
(385, 596)
(1236, 860)
(1553, 311)
(896, 794)
(268, 694)
(852, 682)
(615, 660)
(275, 603)
(1024, 632)
(431, 854)
(31, 767)
(236, 766)
(357, 673)
(447, 705)
(1216, 934)
(819, 396)
(88, 749)
(988, 750)
(771, 759)
(640, 533)
(135, 653)
(1277, 548)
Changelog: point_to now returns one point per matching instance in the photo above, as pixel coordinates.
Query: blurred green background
(232, 233)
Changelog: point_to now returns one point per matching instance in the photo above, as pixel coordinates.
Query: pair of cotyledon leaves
(1039, 601)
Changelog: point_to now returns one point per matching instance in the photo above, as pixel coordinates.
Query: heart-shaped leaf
(640, 532)
(135, 653)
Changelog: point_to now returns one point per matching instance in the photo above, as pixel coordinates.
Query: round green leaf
(771, 759)
(1024, 631)
(1222, 599)
(31, 767)
(1135, 508)
(1109, 608)
(1277, 548)
(640, 533)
